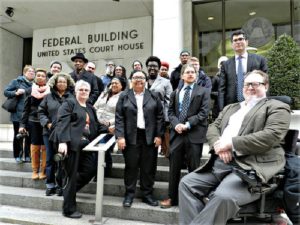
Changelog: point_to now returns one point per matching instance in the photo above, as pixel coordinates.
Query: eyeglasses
(91, 68)
(238, 39)
(152, 66)
(138, 78)
(85, 90)
(253, 84)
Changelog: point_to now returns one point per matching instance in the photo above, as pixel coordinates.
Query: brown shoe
(165, 204)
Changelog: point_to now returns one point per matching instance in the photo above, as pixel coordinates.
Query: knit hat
(165, 64)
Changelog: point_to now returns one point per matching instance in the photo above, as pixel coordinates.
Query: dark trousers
(18, 146)
(182, 151)
(140, 157)
(80, 168)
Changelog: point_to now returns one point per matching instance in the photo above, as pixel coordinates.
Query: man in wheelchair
(245, 142)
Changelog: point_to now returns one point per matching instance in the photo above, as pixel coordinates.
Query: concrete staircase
(18, 190)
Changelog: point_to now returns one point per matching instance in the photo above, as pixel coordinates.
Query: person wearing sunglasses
(234, 69)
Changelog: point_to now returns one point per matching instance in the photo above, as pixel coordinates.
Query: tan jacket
(258, 144)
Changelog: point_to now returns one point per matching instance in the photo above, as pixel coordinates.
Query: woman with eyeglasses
(60, 85)
(77, 126)
(138, 130)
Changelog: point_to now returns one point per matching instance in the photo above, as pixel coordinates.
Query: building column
(171, 30)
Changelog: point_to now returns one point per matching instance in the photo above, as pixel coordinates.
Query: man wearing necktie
(188, 112)
(233, 70)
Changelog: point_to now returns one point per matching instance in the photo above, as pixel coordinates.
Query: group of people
(151, 110)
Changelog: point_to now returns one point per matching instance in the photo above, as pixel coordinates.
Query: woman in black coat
(138, 130)
(20, 87)
(77, 125)
(59, 84)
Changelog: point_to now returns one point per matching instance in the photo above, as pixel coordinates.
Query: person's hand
(121, 143)
(220, 146)
(157, 141)
(226, 156)
(20, 91)
(179, 128)
(22, 130)
(63, 148)
(111, 129)
(49, 125)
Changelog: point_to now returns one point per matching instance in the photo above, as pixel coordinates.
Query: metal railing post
(101, 148)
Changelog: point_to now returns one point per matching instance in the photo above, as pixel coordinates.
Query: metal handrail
(101, 148)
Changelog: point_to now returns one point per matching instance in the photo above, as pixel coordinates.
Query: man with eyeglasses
(246, 135)
(234, 69)
(175, 75)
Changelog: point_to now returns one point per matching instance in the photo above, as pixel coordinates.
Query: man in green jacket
(246, 135)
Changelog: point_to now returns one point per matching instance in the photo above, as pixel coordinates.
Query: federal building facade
(38, 32)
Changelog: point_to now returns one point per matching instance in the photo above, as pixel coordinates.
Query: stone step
(162, 173)
(6, 149)
(26, 216)
(112, 206)
(112, 186)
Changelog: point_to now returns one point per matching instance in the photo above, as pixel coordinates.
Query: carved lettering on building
(91, 43)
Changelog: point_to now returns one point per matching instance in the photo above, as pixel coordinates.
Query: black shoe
(74, 215)
(59, 191)
(127, 201)
(50, 191)
(150, 200)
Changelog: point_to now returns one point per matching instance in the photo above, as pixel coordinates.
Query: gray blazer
(163, 87)
(258, 144)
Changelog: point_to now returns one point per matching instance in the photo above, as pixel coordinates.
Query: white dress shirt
(236, 120)
(140, 112)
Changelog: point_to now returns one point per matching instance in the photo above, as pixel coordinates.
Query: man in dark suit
(188, 112)
(246, 135)
(234, 69)
(91, 67)
(81, 74)
(175, 75)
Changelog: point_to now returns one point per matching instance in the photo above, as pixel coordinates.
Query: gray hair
(81, 83)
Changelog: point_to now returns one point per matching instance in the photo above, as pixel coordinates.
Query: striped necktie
(185, 104)
(240, 80)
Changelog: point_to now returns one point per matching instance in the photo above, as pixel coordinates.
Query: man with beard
(246, 135)
(109, 73)
(163, 87)
(81, 74)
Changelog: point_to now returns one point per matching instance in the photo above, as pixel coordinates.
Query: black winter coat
(92, 80)
(71, 120)
(48, 109)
